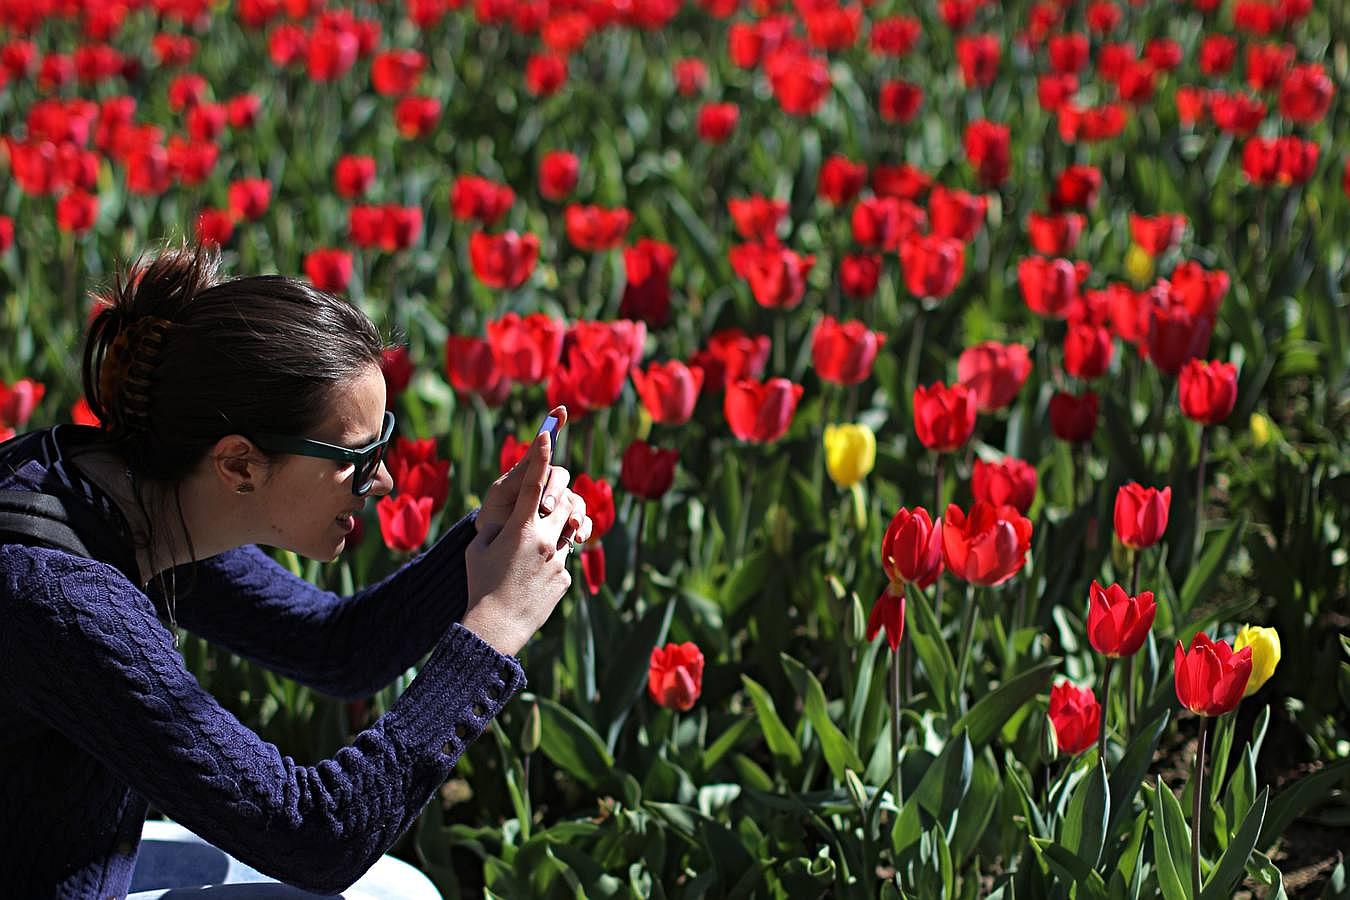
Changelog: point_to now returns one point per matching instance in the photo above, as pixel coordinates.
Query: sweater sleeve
(346, 647)
(82, 649)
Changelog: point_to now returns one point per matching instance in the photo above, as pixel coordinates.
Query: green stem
(1197, 807)
(1199, 541)
(1105, 705)
(637, 551)
(895, 727)
(937, 511)
(1129, 663)
(968, 616)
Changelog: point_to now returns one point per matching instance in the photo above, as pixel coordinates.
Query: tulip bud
(1139, 266)
(1262, 429)
(531, 733)
(850, 453)
(1049, 744)
(857, 621)
(1265, 644)
(855, 788)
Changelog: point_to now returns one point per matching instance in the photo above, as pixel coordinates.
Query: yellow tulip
(850, 453)
(1265, 644)
(1139, 265)
(1261, 428)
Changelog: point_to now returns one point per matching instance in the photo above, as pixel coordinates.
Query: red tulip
(1157, 234)
(587, 379)
(956, 214)
(840, 179)
(526, 349)
(558, 172)
(911, 550)
(932, 264)
(899, 101)
(513, 451)
(1198, 289)
(800, 81)
(731, 355)
(756, 217)
(404, 521)
(353, 175)
(1305, 95)
(1075, 714)
(646, 292)
(1073, 418)
(1208, 390)
(1164, 53)
(6, 233)
(81, 414)
(214, 226)
(329, 269)
(1054, 91)
(832, 28)
(888, 612)
(776, 275)
(895, 35)
(545, 74)
(397, 368)
(1236, 113)
(480, 199)
(1210, 677)
(978, 56)
(396, 72)
(1076, 188)
(1192, 104)
(1049, 286)
(417, 471)
(716, 121)
(1217, 54)
(843, 353)
(1010, 482)
(1103, 16)
(675, 676)
(416, 117)
(882, 223)
(599, 497)
(986, 145)
(669, 390)
(994, 373)
(18, 400)
(760, 412)
(595, 228)
(1267, 65)
(1068, 52)
(647, 471)
(400, 227)
(944, 417)
(250, 197)
(690, 74)
(986, 547)
(472, 368)
(859, 274)
(1141, 514)
(76, 211)
(1087, 350)
(1054, 234)
(503, 260)
(1117, 622)
(1174, 333)
(902, 181)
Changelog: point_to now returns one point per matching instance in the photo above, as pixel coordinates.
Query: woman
(227, 406)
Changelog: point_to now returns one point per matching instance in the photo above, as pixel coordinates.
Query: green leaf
(1218, 548)
(931, 649)
(976, 809)
(1298, 798)
(776, 734)
(725, 742)
(572, 744)
(626, 677)
(944, 785)
(748, 580)
(986, 717)
(1229, 869)
(1129, 772)
(1171, 845)
(1263, 871)
(1070, 869)
(1084, 829)
(840, 753)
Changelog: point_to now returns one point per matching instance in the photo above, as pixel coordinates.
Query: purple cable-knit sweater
(101, 717)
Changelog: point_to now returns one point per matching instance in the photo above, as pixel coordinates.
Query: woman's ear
(236, 459)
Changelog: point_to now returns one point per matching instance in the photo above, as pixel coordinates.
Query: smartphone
(551, 426)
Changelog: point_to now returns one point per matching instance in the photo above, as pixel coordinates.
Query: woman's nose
(384, 481)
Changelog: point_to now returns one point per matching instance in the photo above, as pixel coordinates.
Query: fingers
(534, 478)
(558, 480)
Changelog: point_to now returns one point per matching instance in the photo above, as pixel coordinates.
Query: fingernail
(547, 505)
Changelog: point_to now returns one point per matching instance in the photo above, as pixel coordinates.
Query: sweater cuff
(456, 694)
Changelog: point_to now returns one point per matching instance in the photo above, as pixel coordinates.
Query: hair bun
(127, 368)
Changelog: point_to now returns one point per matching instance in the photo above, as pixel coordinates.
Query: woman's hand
(501, 497)
(517, 572)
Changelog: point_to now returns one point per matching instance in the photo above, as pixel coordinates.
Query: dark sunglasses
(367, 459)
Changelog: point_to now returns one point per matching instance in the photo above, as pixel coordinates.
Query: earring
(244, 488)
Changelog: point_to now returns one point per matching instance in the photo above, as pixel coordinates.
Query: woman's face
(310, 503)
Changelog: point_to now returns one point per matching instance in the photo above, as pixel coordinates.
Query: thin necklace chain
(171, 600)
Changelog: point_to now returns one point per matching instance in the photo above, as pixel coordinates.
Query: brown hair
(263, 353)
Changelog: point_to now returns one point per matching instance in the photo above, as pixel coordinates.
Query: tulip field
(960, 391)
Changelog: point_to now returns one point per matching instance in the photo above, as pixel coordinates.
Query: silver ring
(570, 542)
